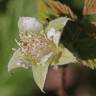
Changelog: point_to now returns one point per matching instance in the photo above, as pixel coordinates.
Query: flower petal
(45, 58)
(66, 57)
(58, 24)
(17, 61)
(29, 24)
(39, 74)
(54, 35)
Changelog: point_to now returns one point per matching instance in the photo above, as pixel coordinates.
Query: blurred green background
(20, 82)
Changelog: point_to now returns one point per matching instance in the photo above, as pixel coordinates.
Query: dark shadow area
(81, 38)
(3, 6)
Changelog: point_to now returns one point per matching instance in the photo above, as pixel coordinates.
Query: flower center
(38, 46)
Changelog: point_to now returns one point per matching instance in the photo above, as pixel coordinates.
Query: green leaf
(66, 57)
(39, 74)
(17, 61)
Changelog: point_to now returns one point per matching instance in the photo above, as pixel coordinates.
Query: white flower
(36, 51)
(29, 24)
(54, 35)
